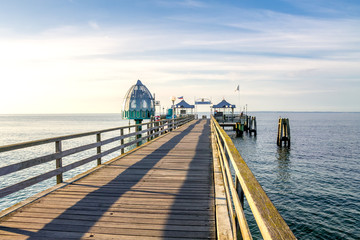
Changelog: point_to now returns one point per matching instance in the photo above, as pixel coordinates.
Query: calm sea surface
(315, 184)
(22, 128)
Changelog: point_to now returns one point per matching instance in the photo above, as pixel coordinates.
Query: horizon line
(259, 111)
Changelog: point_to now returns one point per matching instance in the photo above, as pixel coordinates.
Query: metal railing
(244, 185)
(153, 130)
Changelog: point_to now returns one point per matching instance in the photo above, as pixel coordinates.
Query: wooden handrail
(11, 147)
(158, 129)
(244, 183)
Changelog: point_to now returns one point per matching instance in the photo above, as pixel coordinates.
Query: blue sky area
(82, 55)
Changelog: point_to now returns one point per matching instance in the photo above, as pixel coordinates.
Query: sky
(81, 56)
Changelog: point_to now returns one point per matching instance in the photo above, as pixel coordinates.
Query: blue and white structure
(139, 104)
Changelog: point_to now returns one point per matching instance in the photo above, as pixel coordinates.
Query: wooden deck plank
(114, 214)
(24, 221)
(108, 230)
(161, 191)
(131, 202)
(123, 199)
(115, 219)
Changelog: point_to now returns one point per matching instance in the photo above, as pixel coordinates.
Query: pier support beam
(138, 129)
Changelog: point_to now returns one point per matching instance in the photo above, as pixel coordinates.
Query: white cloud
(94, 25)
(280, 56)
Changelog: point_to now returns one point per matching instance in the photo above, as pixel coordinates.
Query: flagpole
(239, 101)
(238, 90)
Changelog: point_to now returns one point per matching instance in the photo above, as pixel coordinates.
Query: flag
(181, 97)
(238, 88)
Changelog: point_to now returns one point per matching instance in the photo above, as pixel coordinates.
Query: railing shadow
(77, 232)
(196, 191)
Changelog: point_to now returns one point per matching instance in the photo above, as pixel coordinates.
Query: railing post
(148, 131)
(161, 128)
(156, 130)
(122, 140)
(98, 149)
(239, 191)
(59, 177)
(138, 128)
(240, 194)
(151, 131)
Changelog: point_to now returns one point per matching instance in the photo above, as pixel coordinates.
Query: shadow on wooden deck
(141, 170)
(199, 182)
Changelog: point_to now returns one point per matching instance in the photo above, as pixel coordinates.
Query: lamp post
(173, 98)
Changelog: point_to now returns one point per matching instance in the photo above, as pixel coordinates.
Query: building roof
(224, 104)
(138, 98)
(184, 104)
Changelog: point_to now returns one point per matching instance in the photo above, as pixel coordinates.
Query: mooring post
(253, 126)
(287, 129)
(278, 135)
(247, 123)
(250, 124)
(283, 132)
(239, 129)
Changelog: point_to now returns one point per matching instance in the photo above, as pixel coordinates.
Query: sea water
(23, 128)
(315, 184)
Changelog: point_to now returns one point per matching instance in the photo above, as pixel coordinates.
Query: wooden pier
(176, 186)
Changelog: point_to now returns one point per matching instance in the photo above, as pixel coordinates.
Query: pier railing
(135, 136)
(244, 185)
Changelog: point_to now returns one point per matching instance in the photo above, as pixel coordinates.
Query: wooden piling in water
(283, 132)
(252, 126)
(239, 129)
(247, 120)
